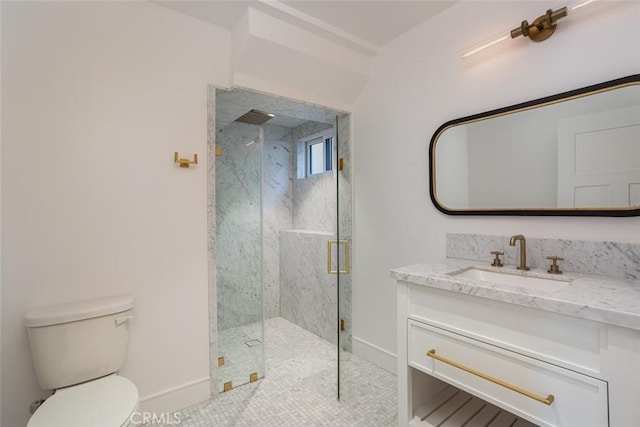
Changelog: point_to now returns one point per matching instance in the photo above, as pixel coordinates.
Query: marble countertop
(599, 298)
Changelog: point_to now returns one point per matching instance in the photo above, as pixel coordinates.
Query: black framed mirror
(576, 153)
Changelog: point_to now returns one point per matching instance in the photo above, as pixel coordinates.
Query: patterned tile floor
(299, 388)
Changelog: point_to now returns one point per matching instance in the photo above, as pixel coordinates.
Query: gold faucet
(523, 250)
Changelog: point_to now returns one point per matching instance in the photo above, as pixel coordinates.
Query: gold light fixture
(542, 28)
(539, 30)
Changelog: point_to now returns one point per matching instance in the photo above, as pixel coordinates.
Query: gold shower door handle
(330, 244)
(546, 400)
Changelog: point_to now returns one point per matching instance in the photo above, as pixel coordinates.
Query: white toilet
(77, 349)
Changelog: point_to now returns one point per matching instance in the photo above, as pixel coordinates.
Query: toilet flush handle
(123, 319)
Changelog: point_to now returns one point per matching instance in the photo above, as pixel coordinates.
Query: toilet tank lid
(79, 310)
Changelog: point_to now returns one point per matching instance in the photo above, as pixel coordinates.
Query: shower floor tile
(299, 388)
(242, 354)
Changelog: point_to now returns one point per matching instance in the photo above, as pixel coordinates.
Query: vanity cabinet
(546, 368)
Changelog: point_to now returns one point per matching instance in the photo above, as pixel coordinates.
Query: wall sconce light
(539, 30)
(542, 28)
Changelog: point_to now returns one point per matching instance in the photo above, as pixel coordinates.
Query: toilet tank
(80, 341)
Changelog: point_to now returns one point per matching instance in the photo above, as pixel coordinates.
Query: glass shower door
(343, 255)
(238, 254)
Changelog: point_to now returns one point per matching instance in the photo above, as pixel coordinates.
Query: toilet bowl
(106, 402)
(78, 350)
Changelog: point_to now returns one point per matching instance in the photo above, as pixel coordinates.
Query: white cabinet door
(599, 159)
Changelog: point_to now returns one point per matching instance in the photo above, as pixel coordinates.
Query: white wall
(273, 55)
(419, 83)
(96, 98)
(0, 214)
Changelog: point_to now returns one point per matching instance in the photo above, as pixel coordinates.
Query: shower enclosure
(280, 246)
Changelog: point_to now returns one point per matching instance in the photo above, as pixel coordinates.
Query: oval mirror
(575, 153)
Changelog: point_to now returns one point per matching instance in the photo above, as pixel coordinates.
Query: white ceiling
(376, 22)
(224, 14)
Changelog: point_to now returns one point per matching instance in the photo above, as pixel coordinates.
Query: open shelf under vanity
(452, 407)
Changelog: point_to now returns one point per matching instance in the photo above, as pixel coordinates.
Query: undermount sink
(520, 280)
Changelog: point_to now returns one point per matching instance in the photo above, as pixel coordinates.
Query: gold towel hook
(185, 163)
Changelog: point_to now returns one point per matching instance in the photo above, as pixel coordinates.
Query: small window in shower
(318, 156)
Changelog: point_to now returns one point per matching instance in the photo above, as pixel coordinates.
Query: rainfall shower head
(255, 117)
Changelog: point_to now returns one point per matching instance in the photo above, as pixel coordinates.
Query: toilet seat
(106, 402)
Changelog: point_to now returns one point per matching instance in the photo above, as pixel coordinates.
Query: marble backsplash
(611, 259)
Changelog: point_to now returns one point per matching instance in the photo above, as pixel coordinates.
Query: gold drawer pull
(546, 400)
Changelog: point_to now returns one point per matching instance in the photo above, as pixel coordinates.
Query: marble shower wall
(314, 203)
(287, 203)
(238, 225)
(308, 293)
(238, 291)
(611, 259)
(278, 177)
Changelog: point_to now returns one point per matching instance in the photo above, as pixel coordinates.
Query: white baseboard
(176, 398)
(376, 355)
